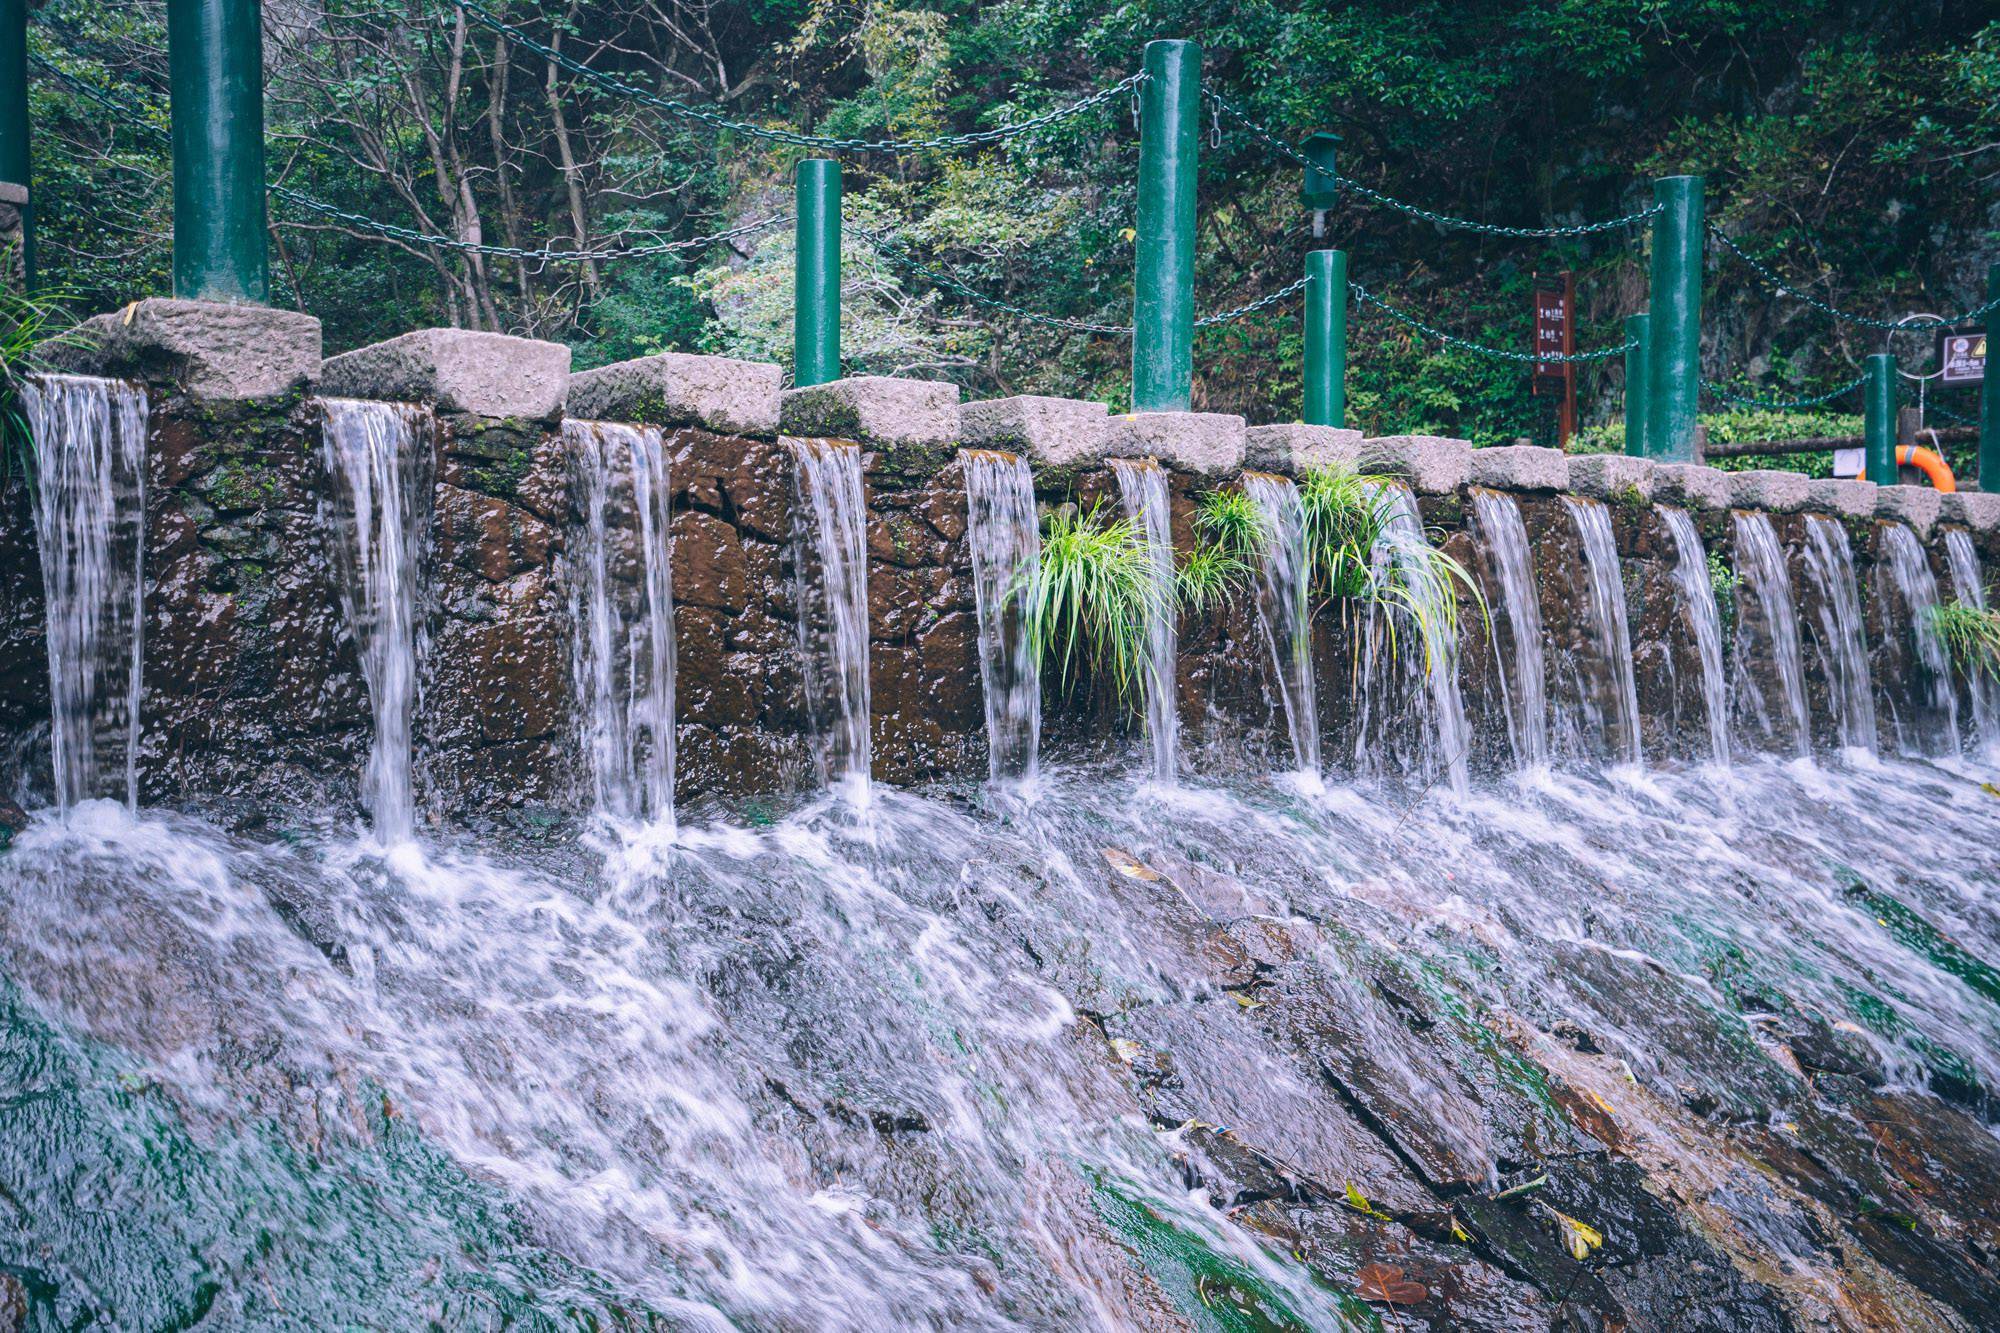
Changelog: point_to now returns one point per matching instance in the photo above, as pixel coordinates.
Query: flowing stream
(1843, 645)
(374, 452)
(1142, 485)
(1969, 589)
(1767, 632)
(1606, 584)
(1005, 533)
(1697, 597)
(89, 440)
(1503, 540)
(834, 525)
(1916, 587)
(623, 656)
(1284, 609)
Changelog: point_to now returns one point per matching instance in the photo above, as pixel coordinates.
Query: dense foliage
(1854, 146)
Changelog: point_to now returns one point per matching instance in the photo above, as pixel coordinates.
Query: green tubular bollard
(1638, 383)
(1163, 298)
(1675, 317)
(215, 56)
(1989, 392)
(14, 152)
(1326, 338)
(1878, 395)
(816, 295)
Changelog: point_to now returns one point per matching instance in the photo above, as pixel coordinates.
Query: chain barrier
(1366, 297)
(902, 259)
(1784, 288)
(715, 120)
(1791, 405)
(1283, 293)
(1283, 149)
(1954, 418)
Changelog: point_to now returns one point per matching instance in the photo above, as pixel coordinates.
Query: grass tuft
(1971, 637)
(1094, 596)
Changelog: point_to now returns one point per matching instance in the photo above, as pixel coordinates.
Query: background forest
(1855, 147)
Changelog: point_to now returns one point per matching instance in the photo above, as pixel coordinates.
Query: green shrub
(1971, 637)
(1094, 596)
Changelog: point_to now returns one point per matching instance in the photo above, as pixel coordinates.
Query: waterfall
(1969, 591)
(623, 656)
(834, 523)
(1006, 539)
(1829, 563)
(1142, 484)
(1697, 597)
(1910, 570)
(375, 453)
(1760, 564)
(1284, 609)
(90, 502)
(1607, 614)
(1503, 540)
(1393, 670)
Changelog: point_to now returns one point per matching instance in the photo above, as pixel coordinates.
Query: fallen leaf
(1130, 866)
(1359, 1203)
(1579, 1238)
(1989, 789)
(1458, 1233)
(1245, 1001)
(1381, 1282)
(1126, 1049)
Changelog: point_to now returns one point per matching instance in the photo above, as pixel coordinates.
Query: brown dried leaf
(1382, 1282)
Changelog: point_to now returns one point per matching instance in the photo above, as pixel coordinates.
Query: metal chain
(1262, 302)
(1793, 405)
(1279, 146)
(715, 120)
(1949, 415)
(1366, 297)
(896, 255)
(1784, 288)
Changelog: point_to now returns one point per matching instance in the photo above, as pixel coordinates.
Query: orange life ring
(1931, 464)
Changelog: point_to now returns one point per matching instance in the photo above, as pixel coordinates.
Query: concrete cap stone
(1843, 497)
(1208, 444)
(716, 393)
(13, 192)
(874, 409)
(1917, 506)
(1691, 486)
(1051, 432)
(1770, 489)
(457, 370)
(1978, 510)
(1432, 464)
(1604, 476)
(214, 351)
(1518, 467)
(1293, 447)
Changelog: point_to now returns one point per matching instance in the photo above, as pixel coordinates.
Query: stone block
(1611, 476)
(1432, 464)
(1978, 510)
(1843, 497)
(717, 393)
(457, 370)
(1291, 448)
(214, 351)
(1772, 490)
(1048, 432)
(1518, 467)
(1917, 506)
(1207, 444)
(874, 410)
(1691, 486)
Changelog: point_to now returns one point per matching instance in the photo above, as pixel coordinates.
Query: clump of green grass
(1971, 637)
(1094, 596)
(1723, 581)
(26, 324)
(1233, 536)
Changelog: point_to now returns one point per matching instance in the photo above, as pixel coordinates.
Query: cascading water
(1142, 485)
(376, 454)
(1503, 541)
(1697, 598)
(623, 659)
(1916, 586)
(89, 438)
(1970, 590)
(1620, 687)
(834, 523)
(1006, 539)
(1767, 631)
(1410, 657)
(1829, 563)
(1284, 609)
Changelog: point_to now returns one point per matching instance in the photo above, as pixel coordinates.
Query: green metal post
(1878, 397)
(14, 154)
(1675, 314)
(1989, 392)
(1638, 383)
(215, 71)
(816, 296)
(1326, 338)
(1163, 300)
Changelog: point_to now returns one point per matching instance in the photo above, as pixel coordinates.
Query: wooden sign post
(1555, 336)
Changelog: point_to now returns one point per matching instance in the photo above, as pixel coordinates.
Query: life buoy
(1926, 461)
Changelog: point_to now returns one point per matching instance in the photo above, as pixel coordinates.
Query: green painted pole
(215, 71)
(14, 148)
(1675, 313)
(1878, 396)
(816, 296)
(1326, 338)
(1163, 299)
(1638, 383)
(1989, 392)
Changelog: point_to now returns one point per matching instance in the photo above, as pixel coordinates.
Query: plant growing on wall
(1093, 597)
(25, 325)
(1723, 582)
(1231, 538)
(1971, 637)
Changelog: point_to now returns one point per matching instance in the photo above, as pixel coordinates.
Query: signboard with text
(1961, 356)
(1552, 333)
